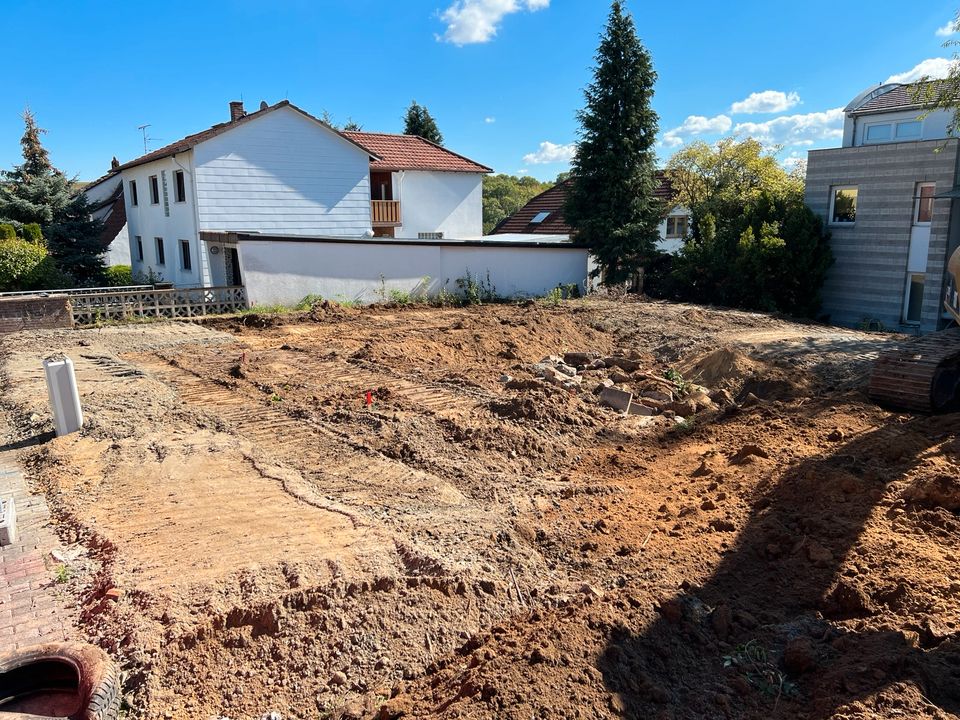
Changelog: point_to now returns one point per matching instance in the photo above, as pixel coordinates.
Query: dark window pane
(845, 205)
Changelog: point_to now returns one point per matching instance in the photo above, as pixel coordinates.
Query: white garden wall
(285, 271)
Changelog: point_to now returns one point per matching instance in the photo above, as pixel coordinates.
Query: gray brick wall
(868, 277)
(33, 313)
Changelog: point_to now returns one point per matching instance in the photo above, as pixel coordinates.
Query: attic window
(539, 218)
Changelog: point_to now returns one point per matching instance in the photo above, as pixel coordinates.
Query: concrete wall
(173, 221)
(278, 271)
(868, 278)
(283, 173)
(34, 313)
(451, 203)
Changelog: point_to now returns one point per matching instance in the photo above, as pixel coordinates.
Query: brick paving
(33, 608)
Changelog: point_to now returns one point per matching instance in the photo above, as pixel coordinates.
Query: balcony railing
(385, 213)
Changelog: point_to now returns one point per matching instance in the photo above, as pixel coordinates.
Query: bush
(23, 265)
(7, 232)
(33, 233)
(119, 275)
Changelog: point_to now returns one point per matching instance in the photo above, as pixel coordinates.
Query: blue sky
(503, 78)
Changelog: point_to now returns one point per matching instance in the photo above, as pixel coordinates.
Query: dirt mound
(725, 368)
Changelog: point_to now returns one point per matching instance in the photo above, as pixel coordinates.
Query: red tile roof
(552, 201)
(116, 218)
(190, 141)
(409, 152)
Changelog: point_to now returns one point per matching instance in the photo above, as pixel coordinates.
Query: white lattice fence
(175, 304)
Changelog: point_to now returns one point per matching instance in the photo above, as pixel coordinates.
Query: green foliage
(611, 206)
(680, 386)
(476, 290)
(554, 297)
(943, 94)
(63, 574)
(118, 276)
(24, 266)
(754, 243)
(754, 662)
(7, 232)
(37, 193)
(308, 301)
(418, 121)
(503, 195)
(33, 233)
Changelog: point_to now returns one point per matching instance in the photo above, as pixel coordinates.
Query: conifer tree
(419, 122)
(611, 206)
(37, 192)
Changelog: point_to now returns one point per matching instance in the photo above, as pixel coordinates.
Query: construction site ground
(386, 512)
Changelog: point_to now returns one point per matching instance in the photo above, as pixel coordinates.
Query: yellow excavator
(924, 374)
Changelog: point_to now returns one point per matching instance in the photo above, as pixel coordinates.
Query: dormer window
(893, 131)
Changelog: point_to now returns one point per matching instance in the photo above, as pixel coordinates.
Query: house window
(185, 255)
(677, 226)
(909, 130)
(843, 206)
(878, 133)
(923, 204)
(139, 248)
(134, 201)
(161, 256)
(914, 310)
(179, 187)
(539, 218)
(154, 190)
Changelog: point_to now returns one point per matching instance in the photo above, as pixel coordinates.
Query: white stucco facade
(440, 202)
(277, 271)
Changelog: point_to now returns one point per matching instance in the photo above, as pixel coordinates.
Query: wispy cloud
(795, 130)
(489, 120)
(947, 30)
(767, 101)
(477, 21)
(936, 68)
(696, 125)
(549, 152)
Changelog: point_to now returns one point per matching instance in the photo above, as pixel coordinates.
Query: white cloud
(793, 161)
(489, 120)
(696, 125)
(551, 153)
(795, 130)
(768, 101)
(935, 68)
(477, 21)
(947, 30)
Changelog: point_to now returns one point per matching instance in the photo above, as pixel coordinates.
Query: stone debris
(617, 399)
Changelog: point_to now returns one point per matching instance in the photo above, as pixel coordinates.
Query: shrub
(22, 264)
(32, 232)
(476, 290)
(119, 275)
(7, 232)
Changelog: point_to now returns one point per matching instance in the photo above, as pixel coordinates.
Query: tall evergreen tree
(36, 192)
(418, 121)
(611, 206)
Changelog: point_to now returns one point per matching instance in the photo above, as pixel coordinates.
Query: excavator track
(922, 375)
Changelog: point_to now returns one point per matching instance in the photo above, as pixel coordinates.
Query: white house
(282, 203)
(105, 196)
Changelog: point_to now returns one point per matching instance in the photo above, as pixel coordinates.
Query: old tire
(84, 673)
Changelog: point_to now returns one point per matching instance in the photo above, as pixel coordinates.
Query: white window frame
(675, 234)
(918, 136)
(176, 175)
(834, 189)
(153, 182)
(916, 204)
(892, 126)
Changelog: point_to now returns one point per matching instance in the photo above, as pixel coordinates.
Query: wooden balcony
(385, 213)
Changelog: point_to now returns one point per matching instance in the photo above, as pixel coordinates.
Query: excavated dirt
(398, 512)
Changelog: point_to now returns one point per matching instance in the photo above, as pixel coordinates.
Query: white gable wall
(447, 202)
(173, 221)
(283, 173)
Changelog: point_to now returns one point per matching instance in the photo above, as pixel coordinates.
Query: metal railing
(175, 304)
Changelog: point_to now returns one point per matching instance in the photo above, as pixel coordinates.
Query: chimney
(236, 110)
(263, 105)
(114, 164)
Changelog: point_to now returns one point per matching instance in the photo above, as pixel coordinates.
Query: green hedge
(119, 275)
(23, 265)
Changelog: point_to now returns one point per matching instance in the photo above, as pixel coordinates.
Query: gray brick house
(887, 198)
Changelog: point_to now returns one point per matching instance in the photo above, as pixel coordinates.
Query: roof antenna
(143, 129)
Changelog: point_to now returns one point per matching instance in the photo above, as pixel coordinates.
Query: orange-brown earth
(468, 545)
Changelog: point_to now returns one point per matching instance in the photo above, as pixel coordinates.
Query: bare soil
(352, 514)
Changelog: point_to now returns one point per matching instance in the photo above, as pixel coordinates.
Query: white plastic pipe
(64, 398)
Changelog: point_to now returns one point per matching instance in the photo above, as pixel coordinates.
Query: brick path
(32, 607)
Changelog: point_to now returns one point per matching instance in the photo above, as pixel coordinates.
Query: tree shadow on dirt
(756, 639)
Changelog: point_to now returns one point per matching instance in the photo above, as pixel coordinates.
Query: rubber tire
(98, 676)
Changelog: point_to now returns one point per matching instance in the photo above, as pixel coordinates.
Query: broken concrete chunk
(606, 383)
(657, 396)
(551, 360)
(640, 409)
(567, 370)
(617, 399)
(580, 359)
(625, 364)
(597, 364)
(619, 378)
